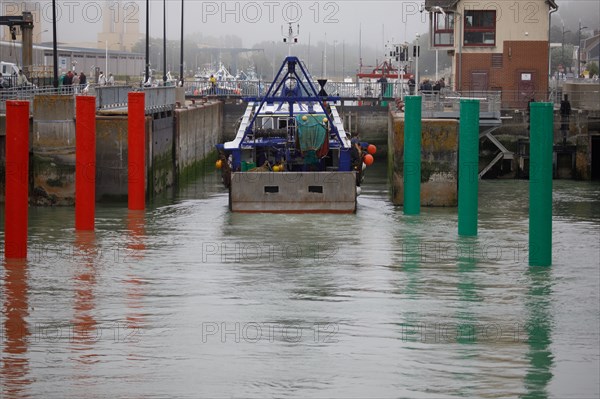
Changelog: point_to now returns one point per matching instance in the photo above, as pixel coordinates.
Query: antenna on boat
(291, 38)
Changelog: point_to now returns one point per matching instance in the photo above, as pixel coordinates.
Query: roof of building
(452, 3)
(440, 3)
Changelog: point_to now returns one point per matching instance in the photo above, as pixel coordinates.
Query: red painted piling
(17, 179)
(136, 142)
(85, 156)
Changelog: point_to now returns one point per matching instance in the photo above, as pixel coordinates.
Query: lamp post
(164, 41)
(343, 59)
(334, 69)
(273, 61)
(54, 47)
(460, 43)
(181, 63)
(147, 60)
(106, 57)
(325, 58)
(437, 9)
(562, 56)
(37, 40)
(579, 50)
(458, 71)
(417, 54)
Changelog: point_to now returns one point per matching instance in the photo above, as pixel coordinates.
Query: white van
(8, 69)
(9, 72)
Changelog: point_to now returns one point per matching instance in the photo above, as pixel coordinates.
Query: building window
(443, 30)
(480, 28)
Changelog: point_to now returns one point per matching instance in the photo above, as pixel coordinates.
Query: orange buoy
(368, 159)
(218, 164)
(371, 149)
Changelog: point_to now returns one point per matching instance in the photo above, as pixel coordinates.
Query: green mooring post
(412, 155)
(468, 167)
(540, 184)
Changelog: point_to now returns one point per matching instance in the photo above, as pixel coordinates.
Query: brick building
(495, 45)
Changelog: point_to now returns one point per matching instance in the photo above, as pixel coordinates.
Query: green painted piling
(412, 155)
(540, 185)
(468, 167)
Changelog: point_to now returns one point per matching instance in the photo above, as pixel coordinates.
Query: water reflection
(15, 331)
(388, 305)
(135, 290)
(467, 290)
(411, 253)
(85, 331)
(539, 332)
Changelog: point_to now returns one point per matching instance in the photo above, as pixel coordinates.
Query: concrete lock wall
(197, 130)
(53, 150)
(111, 156)
(371, 123)
(439, 150)
(177, 142)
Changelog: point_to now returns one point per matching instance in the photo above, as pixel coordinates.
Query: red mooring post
(136, 149)
(17, 179)
(85, 163)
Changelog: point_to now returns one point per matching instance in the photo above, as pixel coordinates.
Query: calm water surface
(188, 300)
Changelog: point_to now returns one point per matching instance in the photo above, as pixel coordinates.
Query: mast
(292, 38)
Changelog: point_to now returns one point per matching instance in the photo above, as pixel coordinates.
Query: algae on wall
(439, 160)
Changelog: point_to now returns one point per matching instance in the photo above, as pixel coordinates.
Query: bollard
(17, 180)
(468, 167)
(412, 155)
(540, 185)
(85, 162)
(136, 148)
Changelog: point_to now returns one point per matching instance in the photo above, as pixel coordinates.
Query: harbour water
(189, 300)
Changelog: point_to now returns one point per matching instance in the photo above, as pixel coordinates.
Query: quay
(183, 127)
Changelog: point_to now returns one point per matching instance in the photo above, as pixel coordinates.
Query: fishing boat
(291, 152)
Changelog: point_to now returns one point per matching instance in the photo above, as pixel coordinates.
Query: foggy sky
(258, 21)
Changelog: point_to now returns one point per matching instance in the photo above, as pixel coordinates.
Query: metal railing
(110, 97)
(257, 88)
(157, 99)
(24, 93)
(447, 103)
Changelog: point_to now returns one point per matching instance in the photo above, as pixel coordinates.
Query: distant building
(495, 45)
(120, 21)
(120, 25)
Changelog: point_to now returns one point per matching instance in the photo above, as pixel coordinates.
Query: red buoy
(368, 159)
(371, 149)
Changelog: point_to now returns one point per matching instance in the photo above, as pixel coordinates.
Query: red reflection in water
(15, 365)
(85, 331)
(136, 227)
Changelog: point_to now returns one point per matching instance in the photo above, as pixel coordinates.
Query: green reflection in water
(411, 254)
(539, 331)
(467, 290)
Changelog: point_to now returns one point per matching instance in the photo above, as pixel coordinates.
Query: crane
(25, 22)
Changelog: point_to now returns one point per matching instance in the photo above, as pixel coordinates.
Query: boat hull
(293, 192)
